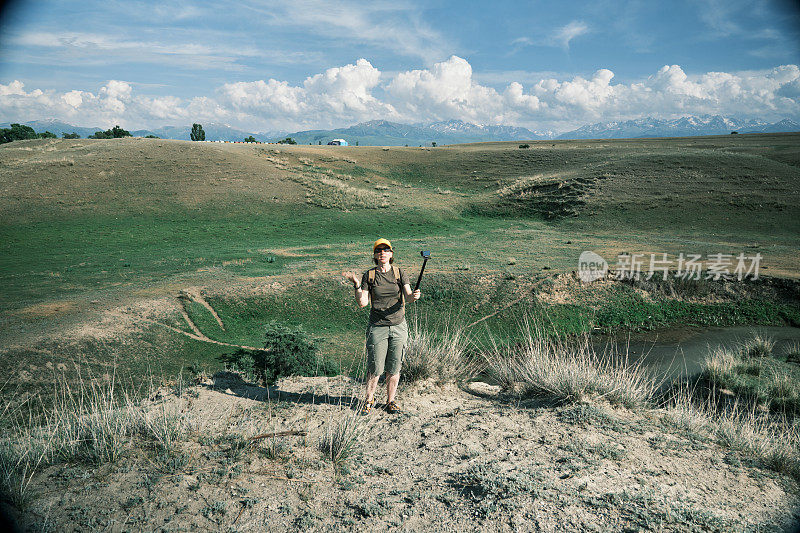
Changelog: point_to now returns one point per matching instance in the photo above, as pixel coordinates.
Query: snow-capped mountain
(497, 133)
(681, 127)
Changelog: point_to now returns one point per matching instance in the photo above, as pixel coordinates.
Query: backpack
(396, 271)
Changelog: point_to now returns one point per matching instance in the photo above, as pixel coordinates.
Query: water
(677, 352)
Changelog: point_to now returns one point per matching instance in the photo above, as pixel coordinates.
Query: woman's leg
(398, 338)
(391, 386)
(377, 347)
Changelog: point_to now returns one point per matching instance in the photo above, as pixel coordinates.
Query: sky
(267, 66)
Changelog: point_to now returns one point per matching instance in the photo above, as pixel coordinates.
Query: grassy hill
(100, 236)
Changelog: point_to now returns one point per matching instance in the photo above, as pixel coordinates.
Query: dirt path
(196, 296)
(198, 335)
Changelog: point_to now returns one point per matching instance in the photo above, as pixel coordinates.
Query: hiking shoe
(392, 407)
(367, 407)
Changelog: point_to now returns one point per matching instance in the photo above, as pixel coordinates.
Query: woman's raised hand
(351, 276)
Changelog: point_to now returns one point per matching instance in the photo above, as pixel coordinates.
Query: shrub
(242, 362)
(287, 140)
(288, 351)
(523, 146)
(72, 135)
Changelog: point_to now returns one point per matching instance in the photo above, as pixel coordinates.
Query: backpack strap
(396, 271)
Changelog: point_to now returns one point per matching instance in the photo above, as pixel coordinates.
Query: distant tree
(287, 140)
(72, 135)
(319, 142)
(433, 144)
(250, 139)
(523, 146)
(17, 132)
(356, 143)
(152, 137)
(47, 135)
(114, 133)
(197, 133)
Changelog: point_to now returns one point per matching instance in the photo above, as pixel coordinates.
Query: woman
(384, 286)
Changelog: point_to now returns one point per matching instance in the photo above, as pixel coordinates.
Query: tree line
(21, 132)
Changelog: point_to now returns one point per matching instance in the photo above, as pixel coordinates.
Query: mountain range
(386, 133)
(681, 127)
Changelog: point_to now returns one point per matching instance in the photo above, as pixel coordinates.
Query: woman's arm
(362, 295)
(414, 295)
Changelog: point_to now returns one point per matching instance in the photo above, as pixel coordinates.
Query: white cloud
(574, 29)
(102, 49)
(447, 90)
(386, 24)
(337, 96)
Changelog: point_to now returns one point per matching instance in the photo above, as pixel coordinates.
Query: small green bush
(288, 351)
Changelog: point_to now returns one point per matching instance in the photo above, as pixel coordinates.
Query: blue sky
(301, 64)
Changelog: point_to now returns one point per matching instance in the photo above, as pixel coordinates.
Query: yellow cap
(379, 242)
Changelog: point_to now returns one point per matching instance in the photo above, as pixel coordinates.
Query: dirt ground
(455, 459)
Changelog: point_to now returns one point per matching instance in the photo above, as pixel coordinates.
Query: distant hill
(386, 133)
(682, 127)
(57, 127)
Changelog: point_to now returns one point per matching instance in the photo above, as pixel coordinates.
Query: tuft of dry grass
(720, 364)
(759, 346)
(442, 355)
(342, 436)
(568, 371)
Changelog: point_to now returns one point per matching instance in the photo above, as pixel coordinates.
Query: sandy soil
(454, 460)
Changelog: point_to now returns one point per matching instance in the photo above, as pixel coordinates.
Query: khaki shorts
(385, 348)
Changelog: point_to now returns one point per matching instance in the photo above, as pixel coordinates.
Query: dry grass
(333, 193)
(773, 442)
(759, 346)
(720, 363)
(92, 422)
(569, 371)
(343, 435)
(442, 355)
